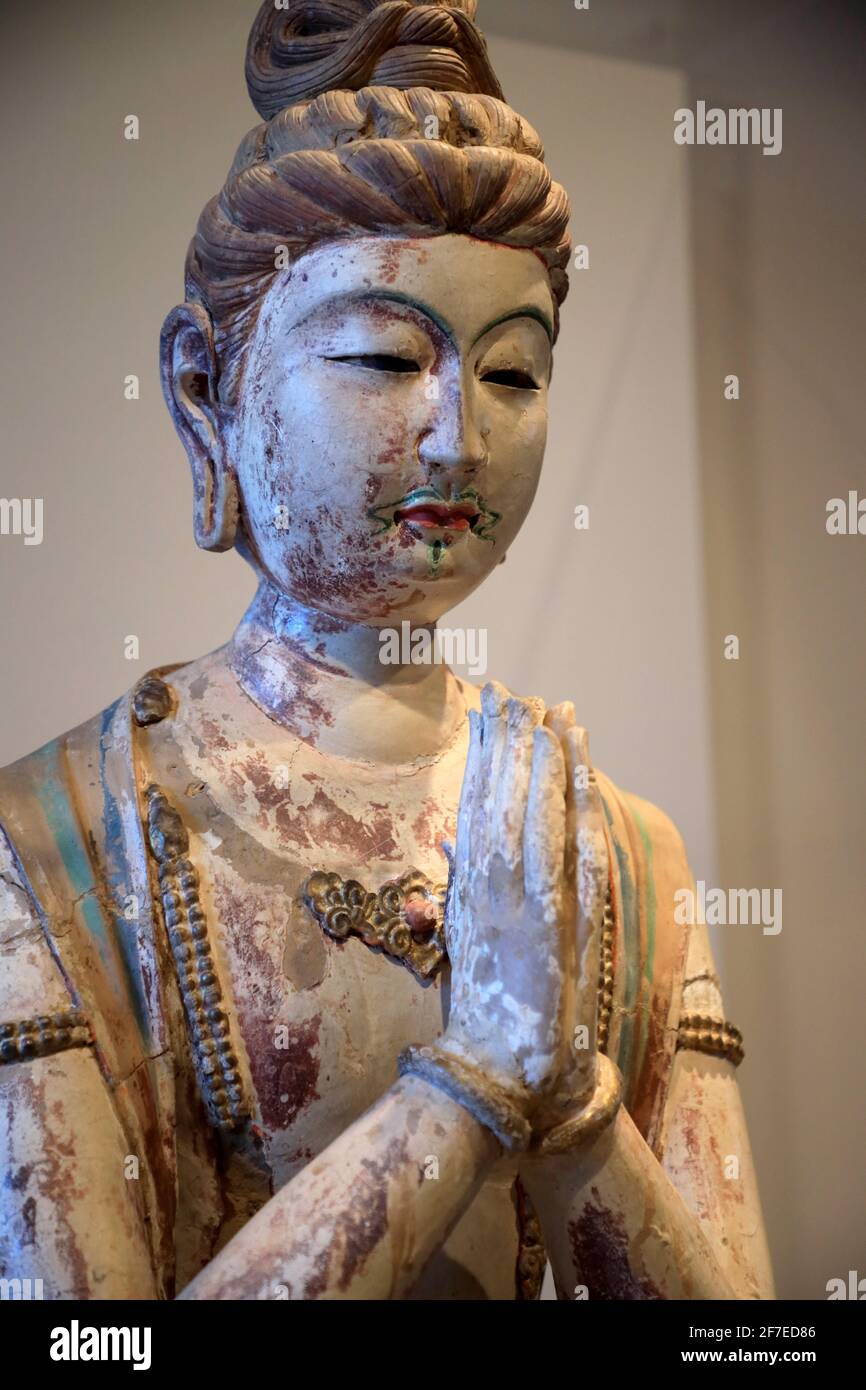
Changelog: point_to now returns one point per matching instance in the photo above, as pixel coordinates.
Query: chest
(320, 1020)
(322, 989)
(320, 1009)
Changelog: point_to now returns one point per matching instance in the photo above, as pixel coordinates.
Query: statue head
(359, 373)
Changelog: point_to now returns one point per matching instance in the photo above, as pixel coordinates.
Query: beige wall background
(707, 516)
(780, 298)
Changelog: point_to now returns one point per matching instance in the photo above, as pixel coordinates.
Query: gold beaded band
(581, 1129)
(501, 1111)
(213, 1047)
(605, 973)
(43, 1036)
(715, 1036)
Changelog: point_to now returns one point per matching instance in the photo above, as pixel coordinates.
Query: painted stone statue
(330, 978)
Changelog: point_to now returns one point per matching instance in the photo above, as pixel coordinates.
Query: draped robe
(93, 940)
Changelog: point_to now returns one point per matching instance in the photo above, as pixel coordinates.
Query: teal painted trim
(650, 895)
(63, 824)
(631, 933)
(64, 827)
(650, 904)
(398, 297)
(126, 932)
(529, 312)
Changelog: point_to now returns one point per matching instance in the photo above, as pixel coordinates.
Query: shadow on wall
(776, 301)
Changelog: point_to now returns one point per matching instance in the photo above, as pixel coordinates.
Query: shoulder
(647, 950)
(77, 904)
(46, 849)
(49, 812)
(32, 987)
(652, 827)
(650, 861)
(63, 782)
(55, 1102)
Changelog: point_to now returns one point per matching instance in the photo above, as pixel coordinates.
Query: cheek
(316, 444)
(517, 444)
(312, 464)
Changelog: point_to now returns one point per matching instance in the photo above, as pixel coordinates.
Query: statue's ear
(190, 375)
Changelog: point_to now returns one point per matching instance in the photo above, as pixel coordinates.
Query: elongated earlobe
(189, 372)
(215, 522)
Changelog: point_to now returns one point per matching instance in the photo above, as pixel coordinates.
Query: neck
(322, 679)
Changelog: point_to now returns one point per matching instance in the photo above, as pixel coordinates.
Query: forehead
(466, 285)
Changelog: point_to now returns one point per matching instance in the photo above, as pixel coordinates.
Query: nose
(454, 445)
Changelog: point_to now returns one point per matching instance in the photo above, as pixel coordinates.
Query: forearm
(71, 1215)
(615, 1225)
(362, 1220)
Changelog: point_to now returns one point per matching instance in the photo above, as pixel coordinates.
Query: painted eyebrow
(528, 311)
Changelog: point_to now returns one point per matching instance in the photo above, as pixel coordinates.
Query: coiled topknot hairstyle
(380, 116)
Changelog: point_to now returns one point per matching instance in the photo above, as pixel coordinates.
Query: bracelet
(715, 1036)
(580, 1129)
(491, 1104)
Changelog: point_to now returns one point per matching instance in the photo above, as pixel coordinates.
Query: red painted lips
(442, 516)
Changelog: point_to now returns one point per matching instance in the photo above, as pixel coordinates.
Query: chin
(435, 561)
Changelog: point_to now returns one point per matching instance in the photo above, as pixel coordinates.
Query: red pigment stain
(299, 709)
(299, 1073)
(285, 1077)
(214, 734)
(339, 566)
(268, 795)
(303, 658)
(600, 1251)
(355, 1228)
(690, 1121)
(326, 625)
(373, 488)
(430, 828)
(324, 822)
(656, 1068)
(365, 1223)
(55, 1181)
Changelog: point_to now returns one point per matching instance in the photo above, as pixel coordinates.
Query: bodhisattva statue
(263, 1032)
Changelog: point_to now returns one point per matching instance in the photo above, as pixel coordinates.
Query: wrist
(507, 1108)
(588, 1121)
(502, 1106)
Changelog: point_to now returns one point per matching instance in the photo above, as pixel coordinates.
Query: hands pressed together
(529, 881)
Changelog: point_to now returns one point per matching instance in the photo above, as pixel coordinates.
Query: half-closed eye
(379, 362)
(514, 380)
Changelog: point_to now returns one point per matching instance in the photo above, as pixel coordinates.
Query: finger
(494, 704)
(462, 854)
(593, 873)
(560, 719)
(508, 816)
(469, 789)
(544, 831)
(494, 698)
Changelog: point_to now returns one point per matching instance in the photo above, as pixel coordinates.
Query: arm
(617, 1227)
(362, 1220)
(359, 1222)
(70, 1214)
(705, 1142)
(621, 1224)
